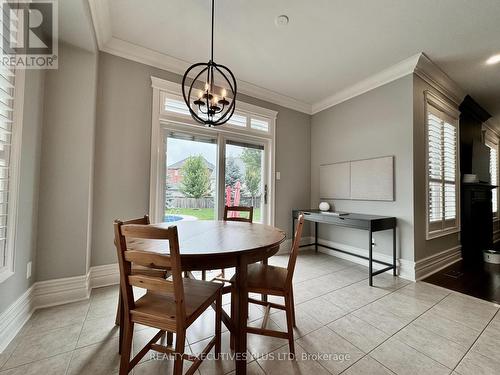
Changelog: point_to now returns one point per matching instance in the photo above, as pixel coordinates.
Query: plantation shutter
(492, 142)
(442, 170)
(7, 85)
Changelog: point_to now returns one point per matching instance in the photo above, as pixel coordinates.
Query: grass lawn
(203, 213)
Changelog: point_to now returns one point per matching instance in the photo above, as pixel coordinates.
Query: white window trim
(186, 123)
(451, 110)
(491, 137)
(15, 160)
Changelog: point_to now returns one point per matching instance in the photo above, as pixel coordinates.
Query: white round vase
(324, 206)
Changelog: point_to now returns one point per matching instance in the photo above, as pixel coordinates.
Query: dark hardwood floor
(478, 280)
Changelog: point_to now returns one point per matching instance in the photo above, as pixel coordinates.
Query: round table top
(205, 245)
(206, 237)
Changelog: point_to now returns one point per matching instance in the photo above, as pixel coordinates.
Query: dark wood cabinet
(477, 221)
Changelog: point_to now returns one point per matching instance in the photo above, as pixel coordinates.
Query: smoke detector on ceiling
(282, 20)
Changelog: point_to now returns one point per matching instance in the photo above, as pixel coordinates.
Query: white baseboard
(404, 267)
(106, 275)
(434, 263)
(15, 317)
(60, 291)
(286, 245)
(52, 293)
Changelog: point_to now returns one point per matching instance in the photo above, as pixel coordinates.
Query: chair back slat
(154, 284)
(165, 240)
(228, 209)
(140, 231)
(295, 250)
(148, 259)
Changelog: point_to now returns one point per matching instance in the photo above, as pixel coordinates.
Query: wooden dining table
(209, 245)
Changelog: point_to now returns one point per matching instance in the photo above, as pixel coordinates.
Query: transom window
(174, 105)
(442, 168)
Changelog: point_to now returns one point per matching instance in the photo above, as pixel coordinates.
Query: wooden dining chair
(170, 305)
(221, 276)
(238, 209)
(136, 269)
(276, 281)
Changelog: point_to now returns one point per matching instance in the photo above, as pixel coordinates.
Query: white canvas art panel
(373, 179)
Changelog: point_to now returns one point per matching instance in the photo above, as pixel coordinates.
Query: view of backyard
(191, 182)
(203, 213)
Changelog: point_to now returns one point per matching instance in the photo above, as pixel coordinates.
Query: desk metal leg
(394, 251)
(370, 257)
(316, 236)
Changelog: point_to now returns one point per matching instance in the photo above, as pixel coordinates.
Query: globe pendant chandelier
(215, 102)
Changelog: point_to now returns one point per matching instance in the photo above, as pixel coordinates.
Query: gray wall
(377, 123)
(25, 243)
(424, 247)
(67, 165)
(122, 157)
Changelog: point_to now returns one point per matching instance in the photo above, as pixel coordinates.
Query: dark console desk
(370, 223)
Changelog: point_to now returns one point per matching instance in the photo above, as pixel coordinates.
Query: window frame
(449, 113)
(8, 269)
(492, 140)
(163, 120)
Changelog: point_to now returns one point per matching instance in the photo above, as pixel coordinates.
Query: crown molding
(433, 75)
(385, 76)
(157, 59)
(418, 64)
(99, 12)
(493, 125)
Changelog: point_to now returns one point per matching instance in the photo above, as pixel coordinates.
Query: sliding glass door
(191, 177)
(245, 181)
(203, 172)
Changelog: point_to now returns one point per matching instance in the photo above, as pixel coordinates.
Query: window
(491, 140)
(196, 170)
(442, 169)
(11, 100)
(176, 106)
(258, 124)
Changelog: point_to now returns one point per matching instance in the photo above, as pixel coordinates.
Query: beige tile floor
(343, 326)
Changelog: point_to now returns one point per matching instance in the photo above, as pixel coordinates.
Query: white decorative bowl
(324, 206)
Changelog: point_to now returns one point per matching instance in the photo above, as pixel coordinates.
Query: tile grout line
(78, 339)
(477, 338)
(365, 354)
(399, 330)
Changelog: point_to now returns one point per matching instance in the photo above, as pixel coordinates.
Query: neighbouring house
(174, 176)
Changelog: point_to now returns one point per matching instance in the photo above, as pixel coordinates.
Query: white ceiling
(328, 46)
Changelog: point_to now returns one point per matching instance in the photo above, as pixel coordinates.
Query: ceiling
(328, 46)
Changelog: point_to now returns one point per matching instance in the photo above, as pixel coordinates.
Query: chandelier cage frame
(217, 112)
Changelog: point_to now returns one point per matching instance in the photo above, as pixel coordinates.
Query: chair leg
(127, 346)
(292, 302)
(119, 309)
(223, 273)
(289, 323)
(119, 319)
(203, 275)
(218, 327)
(170, 338)
(233, 302)
(180, 339)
